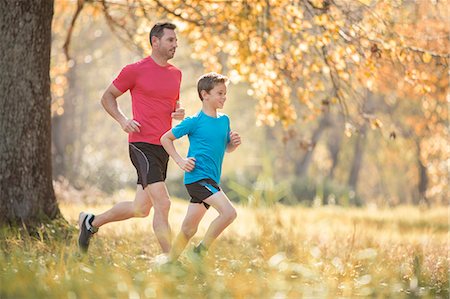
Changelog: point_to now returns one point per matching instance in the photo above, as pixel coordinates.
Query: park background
(341, 182)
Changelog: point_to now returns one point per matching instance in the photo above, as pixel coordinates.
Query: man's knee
(142, 211)
(162, 205)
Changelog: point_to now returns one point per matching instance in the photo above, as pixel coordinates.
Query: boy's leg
(227, 213)
(161, 203)
(189, 227)
(140, 207)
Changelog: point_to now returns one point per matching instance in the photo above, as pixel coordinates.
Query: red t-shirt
(154, 92)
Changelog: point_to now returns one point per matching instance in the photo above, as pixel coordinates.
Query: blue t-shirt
(208, 139)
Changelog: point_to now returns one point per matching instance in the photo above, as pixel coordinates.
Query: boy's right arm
(167, 139)
(109, 102)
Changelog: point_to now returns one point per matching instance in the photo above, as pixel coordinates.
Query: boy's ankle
(200, 249)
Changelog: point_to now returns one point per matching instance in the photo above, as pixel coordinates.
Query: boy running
(209, 137)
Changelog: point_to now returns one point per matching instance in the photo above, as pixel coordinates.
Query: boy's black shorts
(150, 161)
(201, 190)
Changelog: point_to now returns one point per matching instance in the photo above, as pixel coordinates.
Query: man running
(154, 85)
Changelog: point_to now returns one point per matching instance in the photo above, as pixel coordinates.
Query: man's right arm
(109, 102)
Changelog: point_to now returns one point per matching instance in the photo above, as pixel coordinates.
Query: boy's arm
(167, 139)
(235, 141)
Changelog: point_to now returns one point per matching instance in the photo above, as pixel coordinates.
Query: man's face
(167, 44)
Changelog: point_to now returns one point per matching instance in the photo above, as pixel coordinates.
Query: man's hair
(208, 81)
(158, 30)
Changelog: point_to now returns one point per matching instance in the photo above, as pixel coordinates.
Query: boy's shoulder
(220, 114)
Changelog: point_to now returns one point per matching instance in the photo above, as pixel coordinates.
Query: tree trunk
(26, 190)
(357, 158)
(334, 147)
(302, 167)
(423, 177)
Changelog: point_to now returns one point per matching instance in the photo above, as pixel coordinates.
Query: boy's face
(217, 96)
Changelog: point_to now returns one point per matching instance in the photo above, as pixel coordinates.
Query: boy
(209, 137)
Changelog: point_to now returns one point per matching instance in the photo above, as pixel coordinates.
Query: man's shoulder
(173, 68)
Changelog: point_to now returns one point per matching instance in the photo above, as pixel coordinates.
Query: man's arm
(167, 139)
(235, 141)
(109, 102)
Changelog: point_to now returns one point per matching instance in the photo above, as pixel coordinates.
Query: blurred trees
(26, 191)
(375, 70)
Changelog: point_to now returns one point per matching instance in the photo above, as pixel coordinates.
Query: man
(154, 85)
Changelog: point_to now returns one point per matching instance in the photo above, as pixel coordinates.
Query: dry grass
(273, 252)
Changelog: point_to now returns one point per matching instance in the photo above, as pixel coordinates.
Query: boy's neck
(209, 111)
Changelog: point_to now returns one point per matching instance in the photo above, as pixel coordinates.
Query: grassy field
(273, 252)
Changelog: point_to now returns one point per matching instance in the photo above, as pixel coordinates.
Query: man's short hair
(208, 81)
(158, 30)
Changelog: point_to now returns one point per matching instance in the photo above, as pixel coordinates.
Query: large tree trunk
(26, 190)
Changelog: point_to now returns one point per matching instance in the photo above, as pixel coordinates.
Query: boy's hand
(235, 139)
(178, 114)
(187, 164)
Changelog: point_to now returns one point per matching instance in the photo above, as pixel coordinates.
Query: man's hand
(235, 139)
(130, 126)
(187, 164)
(178, 114)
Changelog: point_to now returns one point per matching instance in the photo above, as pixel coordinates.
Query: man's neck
(158, 59)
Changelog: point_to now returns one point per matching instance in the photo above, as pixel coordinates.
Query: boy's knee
(188, 231)
(231, 215)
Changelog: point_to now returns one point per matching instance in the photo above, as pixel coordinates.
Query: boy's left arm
(235, 141)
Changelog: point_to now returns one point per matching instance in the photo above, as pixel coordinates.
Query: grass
(273, 252)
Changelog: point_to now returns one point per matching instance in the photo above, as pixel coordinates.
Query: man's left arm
(178, 114)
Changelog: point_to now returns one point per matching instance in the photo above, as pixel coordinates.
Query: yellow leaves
(349, 129)
(426, 57)
(422, 89)
(303, 47)
(369, 84)
(376, 124)
(321, 20)
(365, 2)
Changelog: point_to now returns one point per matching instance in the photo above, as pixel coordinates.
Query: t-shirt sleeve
(126, 78)
(184, 128)
(228, 132)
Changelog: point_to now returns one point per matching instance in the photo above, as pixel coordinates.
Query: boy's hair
(158, 30)
(208, 81)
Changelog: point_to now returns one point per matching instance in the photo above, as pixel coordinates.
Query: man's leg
(140, 207)
(161, 203)
(227, 214)
(89, 223)
(189, 227)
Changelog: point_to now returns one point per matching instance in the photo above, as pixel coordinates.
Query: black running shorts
(201, 190)
(150, 161)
